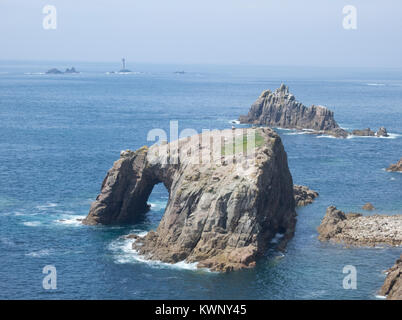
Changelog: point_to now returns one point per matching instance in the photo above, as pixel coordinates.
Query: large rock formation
(304, 195)
(230, 193)
(356, 229)
(281, 109)
(397, 167)
(392, 287)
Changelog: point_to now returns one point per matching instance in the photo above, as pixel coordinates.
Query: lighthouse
(124, 70)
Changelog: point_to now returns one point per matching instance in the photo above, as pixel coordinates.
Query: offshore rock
(382, 132)
(368, 206)
(397, 167)
(222, 212)
(304, 195)
(281, 109)
(392, 287)
(356, 229)
(364, 133)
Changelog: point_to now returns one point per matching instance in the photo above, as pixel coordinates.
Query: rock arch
(221, 214)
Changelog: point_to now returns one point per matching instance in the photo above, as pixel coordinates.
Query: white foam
(390, 136)
(46, 206)
(284, 129)
(234, 121)
(32, 223)
(380, 297)
(40, 253)
(278, 237)
(326, 136)
(71, 220)
(124, 253)
(158, 205)
(296, 133)
(376, 84)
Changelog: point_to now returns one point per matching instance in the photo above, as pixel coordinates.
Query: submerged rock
(356, 229)
(397, 167)
(392, 287)
(281, 109)
(226, 201)
(304, 195)
(368, 206)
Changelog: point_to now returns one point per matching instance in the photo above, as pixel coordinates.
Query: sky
(245, 32)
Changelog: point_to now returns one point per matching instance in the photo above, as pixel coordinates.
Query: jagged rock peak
(281, 109)
(221, 213)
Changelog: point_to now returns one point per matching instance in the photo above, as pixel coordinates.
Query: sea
(59, 135)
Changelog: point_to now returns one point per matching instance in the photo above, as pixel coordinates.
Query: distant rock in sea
(368, 206)
(71, 70)
(304, 195)
(382, 132)
(221, 214)
(281, 109)
(397, 167)
(57, 71)
(392, 287)
(54, 71)
(364, 133)
(358, 230)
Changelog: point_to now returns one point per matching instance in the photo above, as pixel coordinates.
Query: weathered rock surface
(356, 229)
(397, 167)
(304, 195)
(392, 287)
(365, 133)
(281, 109)
(368, 206)
(221, 213)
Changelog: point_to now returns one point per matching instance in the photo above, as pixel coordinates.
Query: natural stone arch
(221, 214)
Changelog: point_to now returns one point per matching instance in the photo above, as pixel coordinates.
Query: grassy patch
(243, 143)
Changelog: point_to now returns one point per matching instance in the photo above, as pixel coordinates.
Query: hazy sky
(262, 32)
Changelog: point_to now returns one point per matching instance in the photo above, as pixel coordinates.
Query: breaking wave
(123, 253)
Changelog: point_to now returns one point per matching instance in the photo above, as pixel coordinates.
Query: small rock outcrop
(304, 195)
(368, 206)
(397, 167)
(226, 201)
(71, 70)
(392, 287)
(359, 230)
(382, 132)
(281, 109)
(364, 133)
(54, 71)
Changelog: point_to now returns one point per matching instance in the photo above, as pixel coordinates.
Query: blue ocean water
(59, 134)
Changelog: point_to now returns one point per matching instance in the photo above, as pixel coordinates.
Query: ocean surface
(59, 134)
